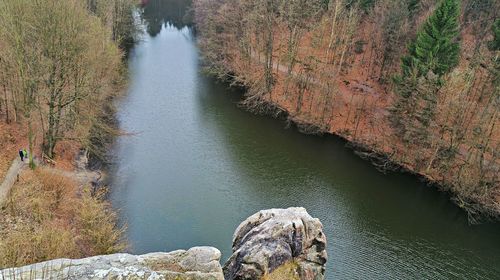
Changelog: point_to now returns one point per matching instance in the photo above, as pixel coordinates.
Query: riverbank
(59, 209)
(478, 208)
(333, 73)
(52, 212)
(385, 158)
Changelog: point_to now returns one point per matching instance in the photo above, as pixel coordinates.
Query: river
(196, 165)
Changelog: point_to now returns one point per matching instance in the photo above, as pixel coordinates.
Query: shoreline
(476, 211)
(333, 75)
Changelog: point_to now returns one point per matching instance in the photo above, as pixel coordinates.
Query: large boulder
(278, 244)
(198, 263)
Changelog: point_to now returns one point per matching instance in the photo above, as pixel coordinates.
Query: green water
(198, 165)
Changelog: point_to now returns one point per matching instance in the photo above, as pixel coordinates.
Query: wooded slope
(416, 81)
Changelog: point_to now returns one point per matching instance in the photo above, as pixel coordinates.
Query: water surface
(198, 165)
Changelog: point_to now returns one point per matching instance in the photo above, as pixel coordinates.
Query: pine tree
(434, 52)
(436, 47)
(495, 43)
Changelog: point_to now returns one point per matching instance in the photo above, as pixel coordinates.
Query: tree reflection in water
(156, 13)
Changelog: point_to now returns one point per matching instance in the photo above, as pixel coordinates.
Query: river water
(197, 165)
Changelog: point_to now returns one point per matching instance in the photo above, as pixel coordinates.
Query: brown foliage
(59, 65)
(48, 217)
(336, 75)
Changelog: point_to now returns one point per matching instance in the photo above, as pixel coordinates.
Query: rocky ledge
(198, 263)
(276, 244)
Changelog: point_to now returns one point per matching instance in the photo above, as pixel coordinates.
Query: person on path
(25, 154)
(21, 154)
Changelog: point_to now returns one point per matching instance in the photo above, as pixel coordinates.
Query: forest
(61, 65)
(412, 84)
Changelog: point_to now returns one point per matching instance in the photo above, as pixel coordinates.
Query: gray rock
(277, 243)
(198, 263)
(271, 238)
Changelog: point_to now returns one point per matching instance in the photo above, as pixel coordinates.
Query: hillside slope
(336, 67)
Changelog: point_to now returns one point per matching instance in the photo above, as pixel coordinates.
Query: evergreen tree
(434, 52)
(495, 44)
(436, 47)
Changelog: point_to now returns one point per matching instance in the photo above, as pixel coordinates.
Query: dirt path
(10, 178)
(81, 175)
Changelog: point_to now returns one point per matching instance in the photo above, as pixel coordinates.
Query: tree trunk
(7, 119)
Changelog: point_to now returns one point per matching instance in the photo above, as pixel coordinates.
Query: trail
(10, 178)
(81, 175)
